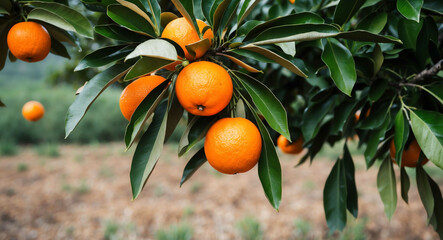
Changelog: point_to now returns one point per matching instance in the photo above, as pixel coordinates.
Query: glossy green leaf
(167, 17)
(146, 65)
(351, 188)
(377, 89)
(240, 63)
(435, 6)
(116, 32)
(387, 187)
(227, 16)
(4, 29)
(296, 32)
(269, 169)
(425, 191)
(57, 48)
(436, 91)
(267, 103)
(342, 116)
(374, 22)
(437, 218)
(193, 165)
(405, 184)
(335, 197)
(104, 56)
(194, 133)
(275, 57)
(376, 117)
(80, 23)
(365, 36)
(401, 135)
(313, 116)
(49, 17)
(341, 65)
(61, 35)
(142, 113)
(134, 22)
(157, 48)
(293, 19)
(374, 140)
(154, 8)
(246, 9)
(186, 8)
(408, 32)
(175, 113)
(410, 9)
(378, 58)
(346, 9)
(428, 130)
(148, 150)
(140, 9)
(206, 6)
(90, 92)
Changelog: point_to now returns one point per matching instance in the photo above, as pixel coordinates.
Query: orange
(182, 32)
(204, 88)
(287, 147)
(233, 145)
(33, 111)
(410, 155)
(292, 1)
(29, 41)
(135, 92)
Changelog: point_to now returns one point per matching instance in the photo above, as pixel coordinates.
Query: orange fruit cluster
(29, 41)
(33, 111)
(410, 155)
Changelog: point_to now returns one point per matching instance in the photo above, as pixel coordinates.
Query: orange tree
(302, 70)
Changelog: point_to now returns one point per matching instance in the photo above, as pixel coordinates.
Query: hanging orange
(204, 88)
(233, 145)
(29, 41)
(135, 92)
(287, 147)
(33, 111)
(410, 155)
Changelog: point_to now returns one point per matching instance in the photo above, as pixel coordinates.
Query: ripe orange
(180, 31)
(33, 111)
(135, 92)
(29, 41)
(410, 155)
(292, 1)
(204, 88)
(233, 145)
(287, 147)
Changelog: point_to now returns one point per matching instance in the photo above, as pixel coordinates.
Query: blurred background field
(52, 188)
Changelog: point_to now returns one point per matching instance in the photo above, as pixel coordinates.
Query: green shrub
(8, 148)
(180, 231)
(250, 229)
(48, 150)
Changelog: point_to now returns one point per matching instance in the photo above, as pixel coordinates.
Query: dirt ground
(85, 194)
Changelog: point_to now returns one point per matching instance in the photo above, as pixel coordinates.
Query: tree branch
(429, 72)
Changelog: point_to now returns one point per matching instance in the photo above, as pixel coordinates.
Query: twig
(429, 72)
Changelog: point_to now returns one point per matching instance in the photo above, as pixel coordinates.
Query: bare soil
(86, 190)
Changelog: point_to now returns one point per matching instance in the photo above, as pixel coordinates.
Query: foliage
(250, 229)
(305, 68)
(179, 231)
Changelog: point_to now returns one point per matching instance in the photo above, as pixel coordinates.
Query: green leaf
(246, 9)
(408, 32)
(227, 16)
(141, 115)
(341, 65)
(134, 22)
(175, 113)
(167, 17)
(140, 8)
(4, 29)
(90, 92)
(378, 58)
(194, 47)
(346, 9)
(374, 140)
(295, 32)
(378, 88)
(405, 184)
(104, 56)
(61, 35)
(387, 187)
(269, 169)
(436, 91)
(335, 196)
(435, 6)
(207, 6)
(376, 117)
(193, 165)
(401, 135)
(425, 191)
(352, 195)
(186, 8)
(59, 49)
(342, 115)
(313, 116)
(49, 17)
(158, 48)
(194, 133)
(80, 23)
(293, 19)
(410, 9)
(6, 5)
(146, 65)
(156, 11)
(365, 36)
(374, 22)
(437, 217)
(148, 150)
(267, 103)
(428, 130)
(240, 63)
(116, 32)
(275, 57)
